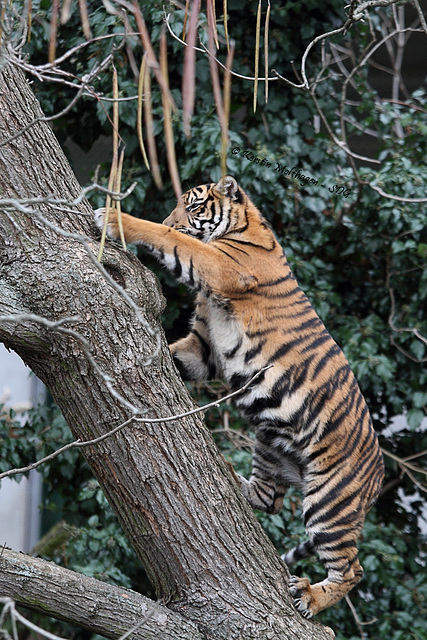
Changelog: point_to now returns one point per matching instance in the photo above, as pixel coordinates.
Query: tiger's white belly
(226, 333)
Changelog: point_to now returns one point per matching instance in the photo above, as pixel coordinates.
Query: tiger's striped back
(313, 428)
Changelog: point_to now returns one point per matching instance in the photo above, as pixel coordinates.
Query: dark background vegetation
(360, 257)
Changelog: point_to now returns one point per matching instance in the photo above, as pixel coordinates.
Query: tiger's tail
(303, 550)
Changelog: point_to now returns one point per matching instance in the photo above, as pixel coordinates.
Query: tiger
(255, 328)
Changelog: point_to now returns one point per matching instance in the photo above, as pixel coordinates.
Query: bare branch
(391, 196)
(349, 80)
(396, 329)
(357, 620)
(420, 15)
(340, 143)
(409, 469)
(84, 86)
(78, 444)
(370, 4)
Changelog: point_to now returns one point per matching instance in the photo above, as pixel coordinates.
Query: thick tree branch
(97, 606)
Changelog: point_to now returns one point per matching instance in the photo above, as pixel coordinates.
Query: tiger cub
(312, 425)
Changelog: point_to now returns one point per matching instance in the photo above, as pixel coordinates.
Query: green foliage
(70, 493)
(360, 257)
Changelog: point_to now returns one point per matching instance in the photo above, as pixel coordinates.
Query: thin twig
(357, 620)
(396, 329)
(409, 469)
(391, 196)
(420, 15)
(266, 27)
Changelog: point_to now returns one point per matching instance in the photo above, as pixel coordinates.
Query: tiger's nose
(176, 217)
(168, 221)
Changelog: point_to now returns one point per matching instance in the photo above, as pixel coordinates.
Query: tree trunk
(199, 542)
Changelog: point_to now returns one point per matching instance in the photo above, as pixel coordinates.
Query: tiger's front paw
(112, 227)
(300, 590)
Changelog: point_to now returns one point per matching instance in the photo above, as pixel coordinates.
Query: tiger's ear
(227, 186)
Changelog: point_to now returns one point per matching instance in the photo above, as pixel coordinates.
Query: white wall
(19, 502)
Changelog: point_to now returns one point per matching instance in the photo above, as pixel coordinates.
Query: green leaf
(415, 417)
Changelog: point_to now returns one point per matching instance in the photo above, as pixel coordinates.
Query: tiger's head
(209, 211)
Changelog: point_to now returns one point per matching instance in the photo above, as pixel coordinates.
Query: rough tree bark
(201, 545)
(94, 605)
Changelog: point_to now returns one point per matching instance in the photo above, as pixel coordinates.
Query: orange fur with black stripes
(312, 425)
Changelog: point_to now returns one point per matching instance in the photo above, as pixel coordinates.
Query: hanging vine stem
(114, 181)
(304, 84)
(189, 70)
(167, 119)
(205, 50)
(256, 65)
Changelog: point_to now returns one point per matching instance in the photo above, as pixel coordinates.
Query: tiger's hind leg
(310, 599)
(333, 537)
(263, 490)
(193, 355)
